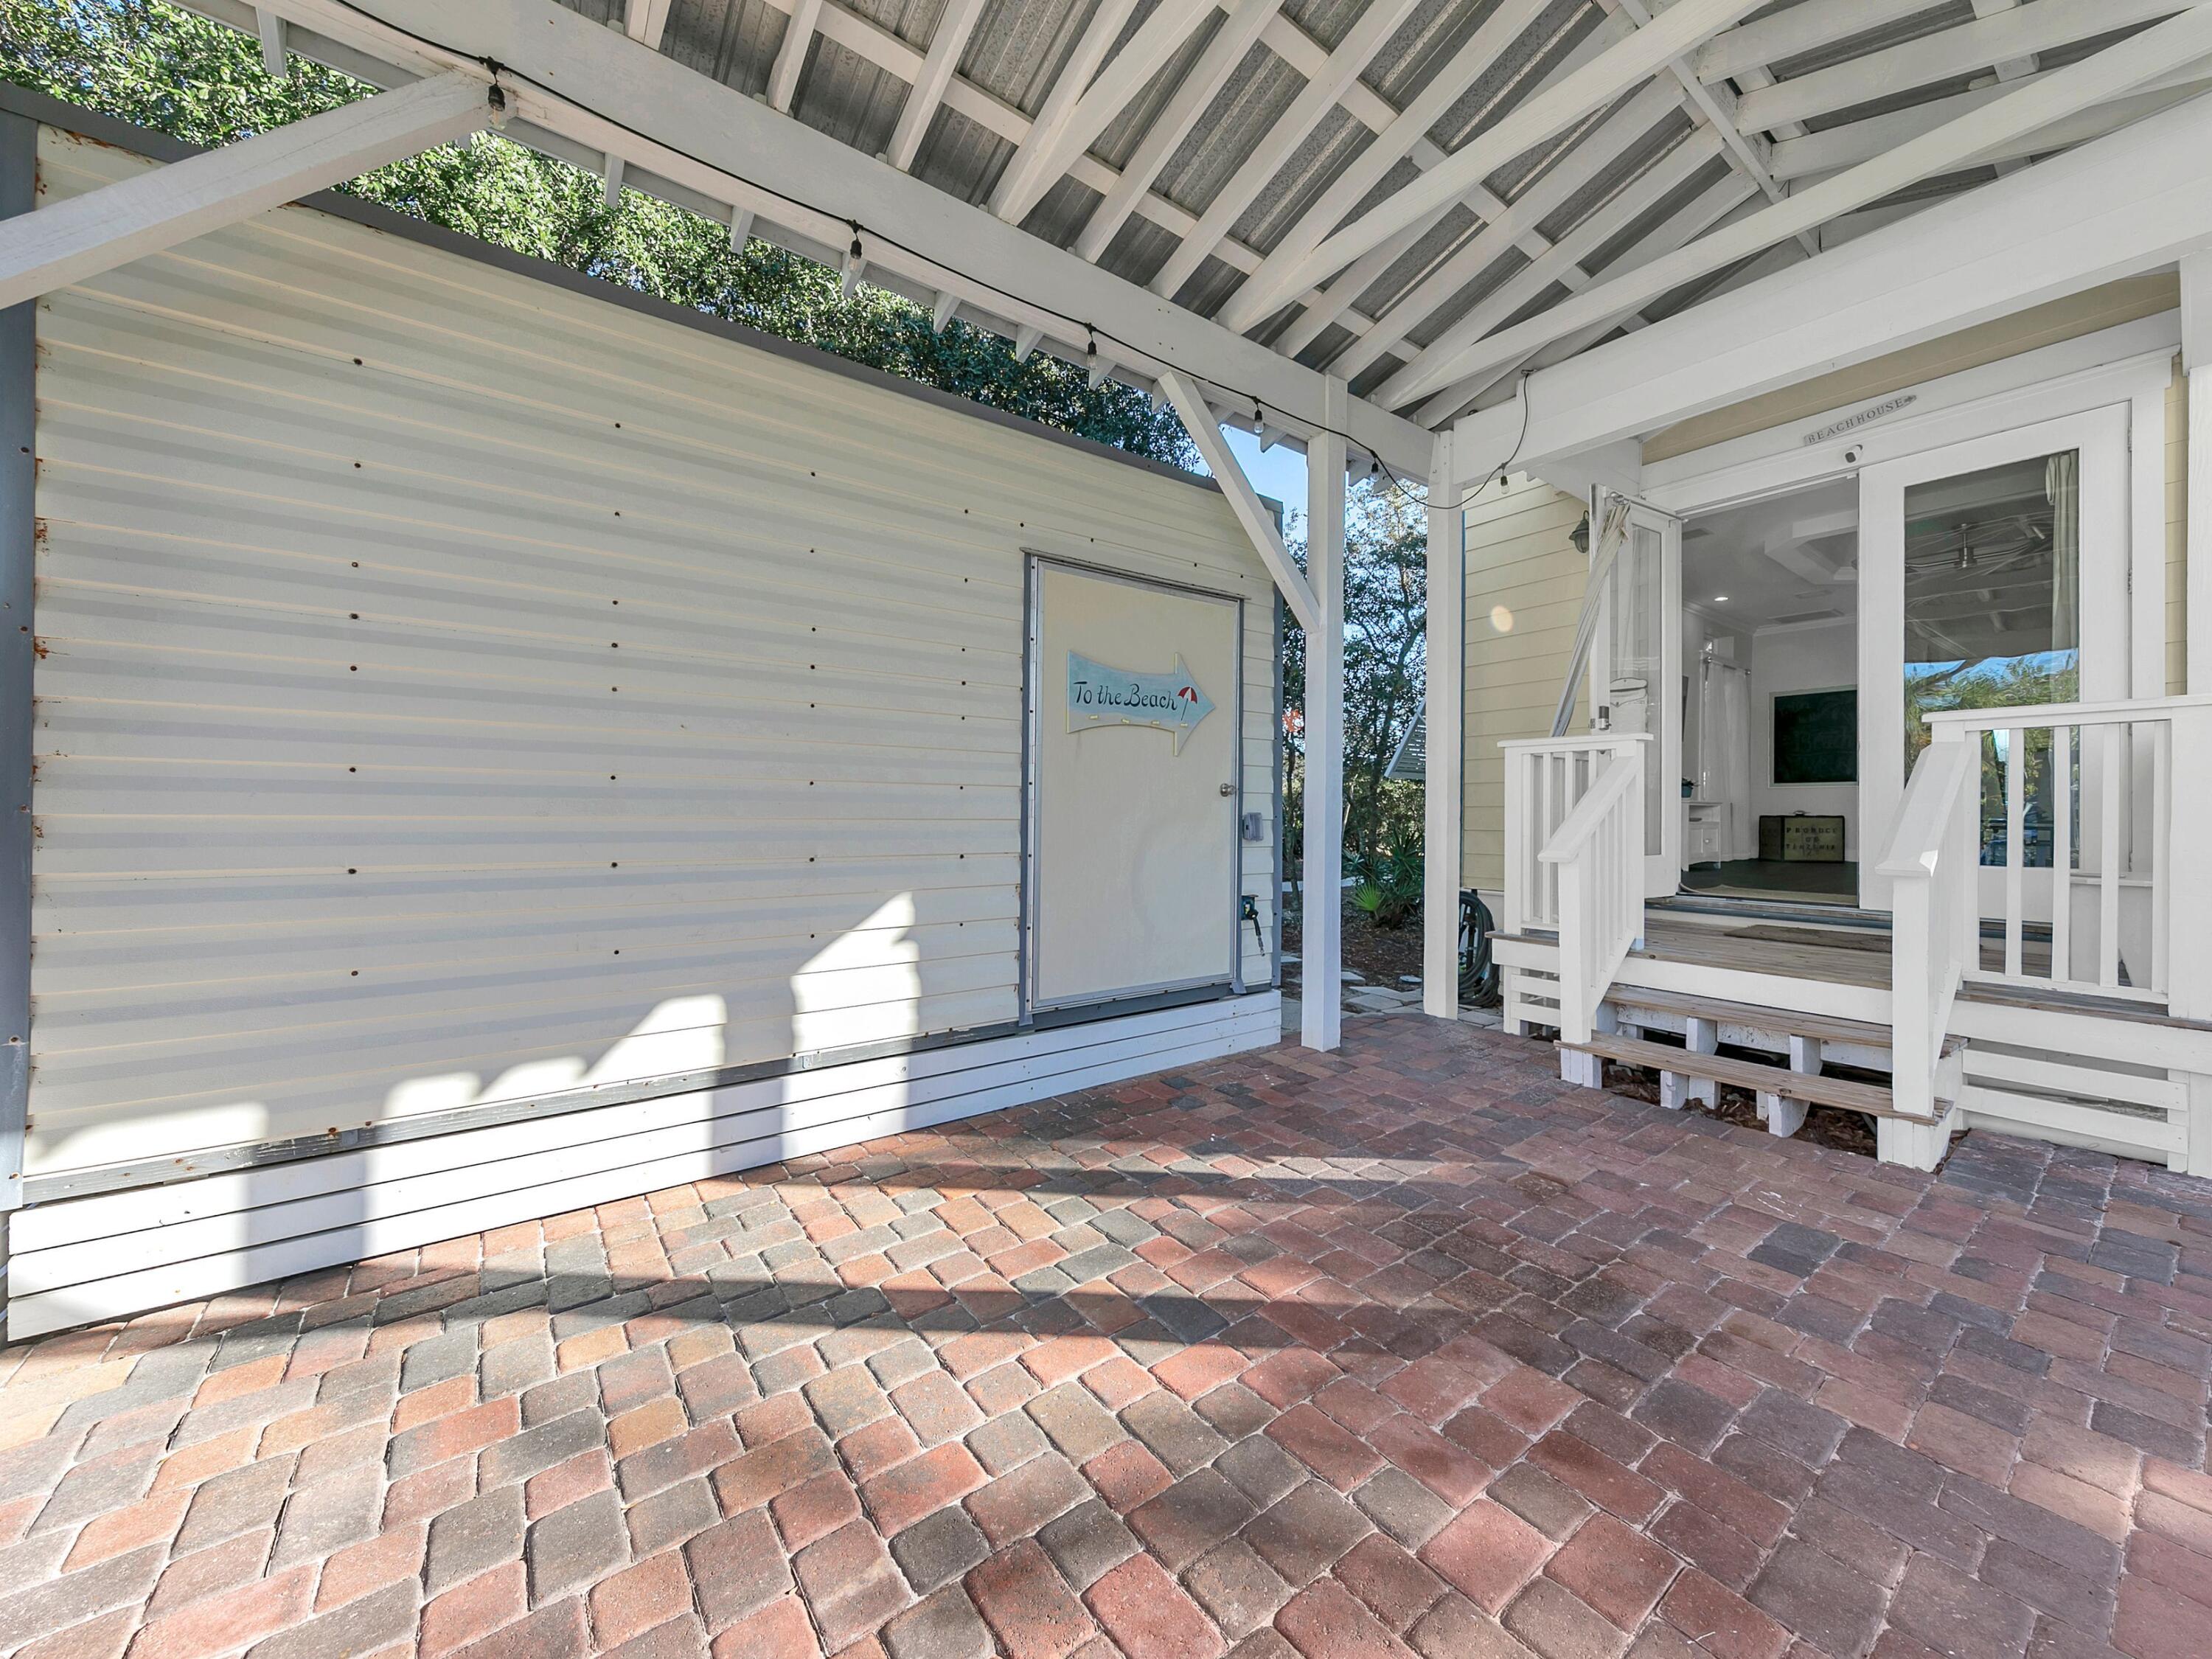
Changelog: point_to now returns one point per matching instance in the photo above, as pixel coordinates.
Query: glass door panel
(1993, 576)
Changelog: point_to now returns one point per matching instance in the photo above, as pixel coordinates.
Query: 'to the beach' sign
(1099, 696)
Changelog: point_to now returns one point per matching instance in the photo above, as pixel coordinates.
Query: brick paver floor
(1407, 1348)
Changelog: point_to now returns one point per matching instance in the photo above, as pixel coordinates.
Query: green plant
(1395, 879)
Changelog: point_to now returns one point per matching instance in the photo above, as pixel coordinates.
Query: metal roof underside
(1726, 129)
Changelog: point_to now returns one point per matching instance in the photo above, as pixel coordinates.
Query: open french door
(1992, 573)
(1635, 681)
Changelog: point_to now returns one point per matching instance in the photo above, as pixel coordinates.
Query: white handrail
(1933, 861)
(1596, 855)
(1546, 779)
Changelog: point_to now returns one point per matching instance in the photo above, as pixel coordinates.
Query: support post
(1446, 695)
(157, 210)
(1321, 1002)
(2196, 366)
(2189, 888)
(19, 166)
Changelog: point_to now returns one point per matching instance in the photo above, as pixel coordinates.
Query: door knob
(1228, 788)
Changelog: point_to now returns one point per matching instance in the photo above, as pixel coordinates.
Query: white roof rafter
(2028, 108)
(1313, 252)
(1558, 109)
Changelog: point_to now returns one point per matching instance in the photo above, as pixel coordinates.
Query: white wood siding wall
(455, 689)
(1524, 591)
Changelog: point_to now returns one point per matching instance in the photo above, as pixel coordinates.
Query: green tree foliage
(156, 66)
(1385, 621)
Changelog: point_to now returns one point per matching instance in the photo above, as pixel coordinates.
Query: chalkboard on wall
(1816, 737)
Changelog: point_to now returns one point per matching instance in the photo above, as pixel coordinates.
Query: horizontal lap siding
(1525, 592)
(554, 697)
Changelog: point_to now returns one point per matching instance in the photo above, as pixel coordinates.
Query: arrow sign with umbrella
(1101, 696)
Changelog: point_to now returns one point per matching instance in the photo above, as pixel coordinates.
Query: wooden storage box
(1801, 838)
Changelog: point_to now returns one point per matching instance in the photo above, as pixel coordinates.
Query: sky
(1281, 472)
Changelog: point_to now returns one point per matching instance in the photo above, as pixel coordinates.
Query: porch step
(1789, 1022)
(1808, 1086)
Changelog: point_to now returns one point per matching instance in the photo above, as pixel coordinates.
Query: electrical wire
(861, 228)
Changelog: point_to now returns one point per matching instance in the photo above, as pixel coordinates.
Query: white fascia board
(2123, 206)
(144, 215)
(594, 86)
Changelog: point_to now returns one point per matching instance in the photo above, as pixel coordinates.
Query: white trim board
(2131, 365)
(2110, 366)
(92, 1259)
(2129, 204)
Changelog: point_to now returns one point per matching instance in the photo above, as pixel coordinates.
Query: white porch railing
(2084, 893)
(2085, 887)
(1933, 861)
(1546, 779)
(1574, 858)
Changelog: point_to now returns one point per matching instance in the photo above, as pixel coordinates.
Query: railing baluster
(2161, 847)
(2108, 861)
(2062, 786)
(2015, 823)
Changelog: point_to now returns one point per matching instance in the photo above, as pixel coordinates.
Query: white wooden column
(1447, 692)
(2197, 364)
(1320, 1004)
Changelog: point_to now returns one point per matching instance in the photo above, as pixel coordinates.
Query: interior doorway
(1770, 619)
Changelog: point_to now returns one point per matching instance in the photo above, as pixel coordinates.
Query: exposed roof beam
(271, 26)
(150, 211)
(791, 56)
(1670, 173)
(1733, 194)
(2035, 105)
(1970, 47)
(1716, 105)
(1313, 252)
(1318, 310)
(1799, 29)
(1250, 305)
(1198, 420)
(1835, 148)
(1576, 171)
(647, 21)
(1030, 172)
(711, 140)
(2130, 202)
(946, 47)
(1224, 52)
(1325, 84)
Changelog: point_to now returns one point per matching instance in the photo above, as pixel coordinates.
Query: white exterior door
(1636, 674)
(1992, 574)
(1134, 786)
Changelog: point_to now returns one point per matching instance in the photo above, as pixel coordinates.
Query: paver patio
(1408, 1348)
